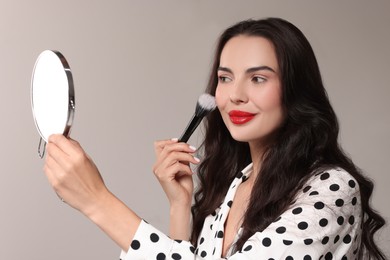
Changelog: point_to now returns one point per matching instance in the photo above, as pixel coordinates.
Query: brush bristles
(206, 103)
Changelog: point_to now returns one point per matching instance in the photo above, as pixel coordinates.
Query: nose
(238, 94)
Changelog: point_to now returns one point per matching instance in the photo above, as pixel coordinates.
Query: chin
(241, 137)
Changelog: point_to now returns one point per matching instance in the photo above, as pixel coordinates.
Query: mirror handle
(41, 152)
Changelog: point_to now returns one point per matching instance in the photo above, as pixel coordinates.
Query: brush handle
(192, 125)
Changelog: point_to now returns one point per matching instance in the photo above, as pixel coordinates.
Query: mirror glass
(52, 94)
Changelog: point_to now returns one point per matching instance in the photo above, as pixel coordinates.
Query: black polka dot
(203, 254)
(230, 203)
(328, 256)
(135, 244)
(154, 237)
(192, 249)
(201, 240)
(289, 258)
(323, 222)
(307, 257)
(351, 220)
(214, 251)
(319, 205)
(354, 201)
(302, 225)
(308, 241)
(324, 176)
(161, 256)
(344, 258)
(334, 187)
(313, 193)
(244, 178)
(239, 175)
(248, 248)
(266, 242)
(325, 240)
(178, 241)
(347, 239)
(277, 219)
(287, 242)
(176, 256)
(220, 234)
(280, 230)
(307, 188)
(352, 183)
(339, 203)
(340, 220)
(297, 210)
(336, 239)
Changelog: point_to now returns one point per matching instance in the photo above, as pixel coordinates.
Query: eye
(224, 79)
(258, 79)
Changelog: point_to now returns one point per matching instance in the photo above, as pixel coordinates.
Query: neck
(257, 151)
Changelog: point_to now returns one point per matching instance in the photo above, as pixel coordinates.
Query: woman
(298, 195)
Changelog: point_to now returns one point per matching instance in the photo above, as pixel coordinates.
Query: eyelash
(224, 79)
(257, 79)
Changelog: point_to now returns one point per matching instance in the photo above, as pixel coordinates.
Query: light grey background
(138, 68)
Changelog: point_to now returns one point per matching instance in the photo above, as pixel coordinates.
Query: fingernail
(192, 148)
(197, 159)
(175, 139)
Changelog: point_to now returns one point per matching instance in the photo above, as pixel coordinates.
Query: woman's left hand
(72, 173)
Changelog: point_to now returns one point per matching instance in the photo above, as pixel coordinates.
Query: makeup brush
(205, 104)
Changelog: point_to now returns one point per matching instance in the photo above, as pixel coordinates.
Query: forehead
(248, 51)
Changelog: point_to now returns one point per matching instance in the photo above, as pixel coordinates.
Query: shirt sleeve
(150, 243)
(323, 223)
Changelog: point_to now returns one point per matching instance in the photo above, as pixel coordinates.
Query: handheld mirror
(52, 96)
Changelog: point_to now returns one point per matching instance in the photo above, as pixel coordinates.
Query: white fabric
(323, 223)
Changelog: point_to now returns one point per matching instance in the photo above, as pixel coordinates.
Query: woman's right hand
(172, 169)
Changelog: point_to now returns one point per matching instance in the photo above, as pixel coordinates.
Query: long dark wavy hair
(306, 142)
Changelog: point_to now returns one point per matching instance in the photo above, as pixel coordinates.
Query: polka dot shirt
(324, 222)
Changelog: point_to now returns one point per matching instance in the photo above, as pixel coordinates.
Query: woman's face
(248, 93)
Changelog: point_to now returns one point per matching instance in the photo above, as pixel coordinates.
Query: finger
(177, 147)
(159, 145)
(175, 170)
(165, 147)
(68, 146)
(174, 157)
(74, 142)
(56, 154)
(164, 168)
(52, 171)
(182, 169)
(183, 158)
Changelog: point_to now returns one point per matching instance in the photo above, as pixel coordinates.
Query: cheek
(269, 99)
(219, 98)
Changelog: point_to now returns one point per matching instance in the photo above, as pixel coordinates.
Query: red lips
(240, 117)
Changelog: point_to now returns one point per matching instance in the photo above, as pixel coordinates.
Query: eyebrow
(250, 70)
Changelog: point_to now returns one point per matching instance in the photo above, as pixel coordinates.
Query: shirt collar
(248, 170)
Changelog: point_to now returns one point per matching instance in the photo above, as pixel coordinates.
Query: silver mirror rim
(71, 94)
